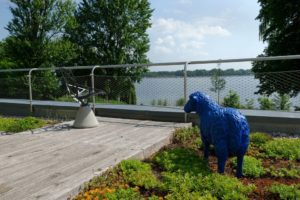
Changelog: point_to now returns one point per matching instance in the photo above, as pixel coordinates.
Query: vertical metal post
(30, 89)
(93, 90)
(185, 87)
(93, 87)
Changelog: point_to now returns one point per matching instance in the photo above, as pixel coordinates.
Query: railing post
(93, 87)
(185, 87)
(30, 89)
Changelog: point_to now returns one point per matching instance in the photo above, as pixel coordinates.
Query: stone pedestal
(85, 118)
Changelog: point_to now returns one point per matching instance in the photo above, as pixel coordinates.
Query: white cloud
(171, 36)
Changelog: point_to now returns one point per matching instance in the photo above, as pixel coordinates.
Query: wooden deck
(54, 163)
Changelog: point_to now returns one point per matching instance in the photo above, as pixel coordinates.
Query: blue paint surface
(225, 128)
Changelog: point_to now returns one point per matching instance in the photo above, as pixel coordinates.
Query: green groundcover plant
(286, 192)
(287, 148)
(182, 159)
(290, 172)
(259, 138)
(179, 172)
(188, 137)
(139, 174)
(252, 167)
(14, 125)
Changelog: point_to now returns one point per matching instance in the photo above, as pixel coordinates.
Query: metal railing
(185, 66)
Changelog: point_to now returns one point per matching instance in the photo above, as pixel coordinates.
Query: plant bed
(179, 171)
(11, 125)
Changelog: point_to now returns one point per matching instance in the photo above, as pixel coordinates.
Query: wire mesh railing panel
(276, 89)
(114, 90)
(160, 91)
(14, 87)
(266, 90)
(54, 87)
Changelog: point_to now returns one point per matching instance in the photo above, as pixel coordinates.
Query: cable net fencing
(278, 90)
(265, 91)
(14, 87)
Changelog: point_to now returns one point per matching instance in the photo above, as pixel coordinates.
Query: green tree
(34, 29)
(218, 83)
(280, 28)
(113, 32)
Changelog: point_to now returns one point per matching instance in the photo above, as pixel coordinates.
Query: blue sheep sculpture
(225, 128)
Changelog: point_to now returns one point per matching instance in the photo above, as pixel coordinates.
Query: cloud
(171, 36)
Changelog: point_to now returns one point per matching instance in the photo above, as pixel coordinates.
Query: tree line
(201, 72)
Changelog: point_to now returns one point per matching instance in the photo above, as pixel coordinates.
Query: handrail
(270, 58)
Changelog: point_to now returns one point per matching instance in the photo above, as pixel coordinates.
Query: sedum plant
(286, 192)
(252, 167)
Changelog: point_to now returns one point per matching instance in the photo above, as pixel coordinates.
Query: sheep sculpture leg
(239, 171)
(222, 155)
(206, 150)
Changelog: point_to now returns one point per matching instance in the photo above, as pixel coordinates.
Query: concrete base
(85, 118)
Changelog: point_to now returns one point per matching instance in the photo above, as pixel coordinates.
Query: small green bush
(139, 173)
(14, 125)
(283, 148)
(252, 167)
(258, 138)
(182, 159)
(286, 192)
(266, 103)
(249, 104)
(232, 100)
(180, 102)
(124, 194)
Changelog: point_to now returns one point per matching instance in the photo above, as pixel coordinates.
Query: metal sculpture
(85, 117)
(225, 128)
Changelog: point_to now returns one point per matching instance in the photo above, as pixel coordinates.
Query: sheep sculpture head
(225, 128)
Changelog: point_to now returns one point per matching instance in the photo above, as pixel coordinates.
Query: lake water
(172, 89)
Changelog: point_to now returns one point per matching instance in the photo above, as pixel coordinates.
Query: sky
(190, 30)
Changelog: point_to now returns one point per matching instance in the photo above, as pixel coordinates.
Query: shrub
(283, 148)
(188, 137)
(282, 102)
(266, 103)
(180, 102)
(182, 159)
(153, 102)
(252, 167)
(286, 192)
(258, 138)
(232, 100)
(139, 174)
(124, 194)
(249, 104)
(165, 102)
(18, 125)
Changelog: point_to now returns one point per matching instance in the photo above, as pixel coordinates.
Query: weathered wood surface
(53, 164)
